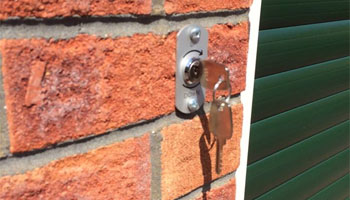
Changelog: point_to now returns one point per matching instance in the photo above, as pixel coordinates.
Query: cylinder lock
(191, 50)
(193, 71)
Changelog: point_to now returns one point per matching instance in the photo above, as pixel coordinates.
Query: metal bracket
(191, 48)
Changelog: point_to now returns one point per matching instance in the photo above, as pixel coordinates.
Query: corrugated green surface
(311, 181)
(282, 13)
(287, 163)
(280, 131)
(300, 109)
(304, 85)
(337, 190)
(288, 48)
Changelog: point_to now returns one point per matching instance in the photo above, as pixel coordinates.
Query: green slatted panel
(337, 190)
(280, 131)
(293, 47)
(288, 89)
(311, 181)
(282, 13)
(301, 101)
(283, 165)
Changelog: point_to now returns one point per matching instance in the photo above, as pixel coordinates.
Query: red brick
(225, 192)
(228, 45)
(34, 84)
(118, 171)
(184, 6)
(63, 8)
(91, 84)
(188, 156)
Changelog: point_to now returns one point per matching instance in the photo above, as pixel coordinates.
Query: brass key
(220, 122)
(212, 71)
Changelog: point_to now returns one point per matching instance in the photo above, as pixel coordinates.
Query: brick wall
(88, 93)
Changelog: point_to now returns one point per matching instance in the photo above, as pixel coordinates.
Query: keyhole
(196, 70)
(193, 71)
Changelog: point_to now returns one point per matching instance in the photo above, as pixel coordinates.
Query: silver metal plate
(189, 45)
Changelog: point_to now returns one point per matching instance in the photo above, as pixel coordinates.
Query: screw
(192, 104)
(195, 34)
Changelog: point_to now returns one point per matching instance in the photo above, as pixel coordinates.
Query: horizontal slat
(289, 48)
(280, 131)
(277, 13)
(313, 180)
(280, 92)
(281, 166)
(337, 190)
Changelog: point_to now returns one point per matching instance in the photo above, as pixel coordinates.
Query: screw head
(195, 35)
(192, 104)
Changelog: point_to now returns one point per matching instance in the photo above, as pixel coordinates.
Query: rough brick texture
(188, 154)
(184, 6)
(58, 90)
(118, 171)
(63, 8)
(225, 192)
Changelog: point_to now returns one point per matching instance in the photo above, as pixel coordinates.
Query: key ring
(228, 85)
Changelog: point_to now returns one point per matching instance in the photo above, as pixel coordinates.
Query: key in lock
(207, 72)
(194, 73)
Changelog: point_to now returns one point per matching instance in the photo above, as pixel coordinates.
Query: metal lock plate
(191, 48)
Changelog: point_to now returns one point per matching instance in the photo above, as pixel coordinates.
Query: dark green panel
(314, 179)
(280, 131)
(289, 48)
(273, 170)
(282, 13)
(280, 92)
(337, 190)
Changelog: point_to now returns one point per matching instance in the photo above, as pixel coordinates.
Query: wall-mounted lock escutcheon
(194, 73)
(191, 49)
